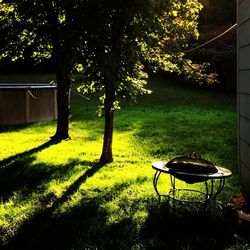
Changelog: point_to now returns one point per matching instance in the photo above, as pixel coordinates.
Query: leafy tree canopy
(38, 27)
(124, 36)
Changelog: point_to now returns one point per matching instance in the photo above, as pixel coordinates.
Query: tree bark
(62, 72)
(107, 155)
(63, 100)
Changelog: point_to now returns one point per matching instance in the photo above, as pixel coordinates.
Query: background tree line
(215, 18)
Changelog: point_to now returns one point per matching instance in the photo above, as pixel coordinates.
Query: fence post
(27, 106)
(55, 103)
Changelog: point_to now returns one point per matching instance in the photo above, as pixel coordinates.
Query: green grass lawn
(56, 196)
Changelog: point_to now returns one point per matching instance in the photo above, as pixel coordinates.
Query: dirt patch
(241, 208)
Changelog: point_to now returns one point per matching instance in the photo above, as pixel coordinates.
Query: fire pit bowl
(181, 166)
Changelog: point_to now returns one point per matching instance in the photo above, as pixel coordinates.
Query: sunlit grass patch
(14, 212)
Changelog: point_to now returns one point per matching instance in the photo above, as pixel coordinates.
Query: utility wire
(211, 40)
(75, 93)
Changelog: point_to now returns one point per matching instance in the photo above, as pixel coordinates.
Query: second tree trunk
(107, 155)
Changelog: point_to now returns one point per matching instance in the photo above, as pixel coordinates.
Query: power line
(211, 40)
(82, 96)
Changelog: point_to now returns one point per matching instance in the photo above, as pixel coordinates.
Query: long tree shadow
(38, 225)
(83, 227)
(11, 159)
(20, 176)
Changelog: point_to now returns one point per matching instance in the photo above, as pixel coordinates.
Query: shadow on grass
(23, 178)
(192, 228)
(12, 128)
(43, 228)
(17, 174)
(85, 225)
(12, 159)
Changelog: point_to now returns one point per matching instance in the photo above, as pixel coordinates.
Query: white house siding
(244, 95)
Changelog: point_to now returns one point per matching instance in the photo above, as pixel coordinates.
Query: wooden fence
(27, 103)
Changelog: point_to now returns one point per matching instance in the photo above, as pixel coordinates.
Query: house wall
(243, 32)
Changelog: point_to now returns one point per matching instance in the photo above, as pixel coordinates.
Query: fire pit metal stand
(210, 193)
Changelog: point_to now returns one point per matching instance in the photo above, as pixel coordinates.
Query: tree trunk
(62, 72)
(63, 101)
(107, 155)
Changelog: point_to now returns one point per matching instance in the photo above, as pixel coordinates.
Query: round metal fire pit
(191, 177)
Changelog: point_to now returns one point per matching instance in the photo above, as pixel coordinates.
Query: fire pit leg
(173, 189)
(221, 186)
(155, 181)
(212, 188)
(207, 193)
(213, 192)
(172, 178)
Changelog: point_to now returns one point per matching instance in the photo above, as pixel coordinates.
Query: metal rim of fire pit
(209, 179)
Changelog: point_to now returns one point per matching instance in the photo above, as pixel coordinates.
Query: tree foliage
(42, 29)
(124, 37)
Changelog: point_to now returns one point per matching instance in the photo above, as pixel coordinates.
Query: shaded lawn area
(56, 196)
